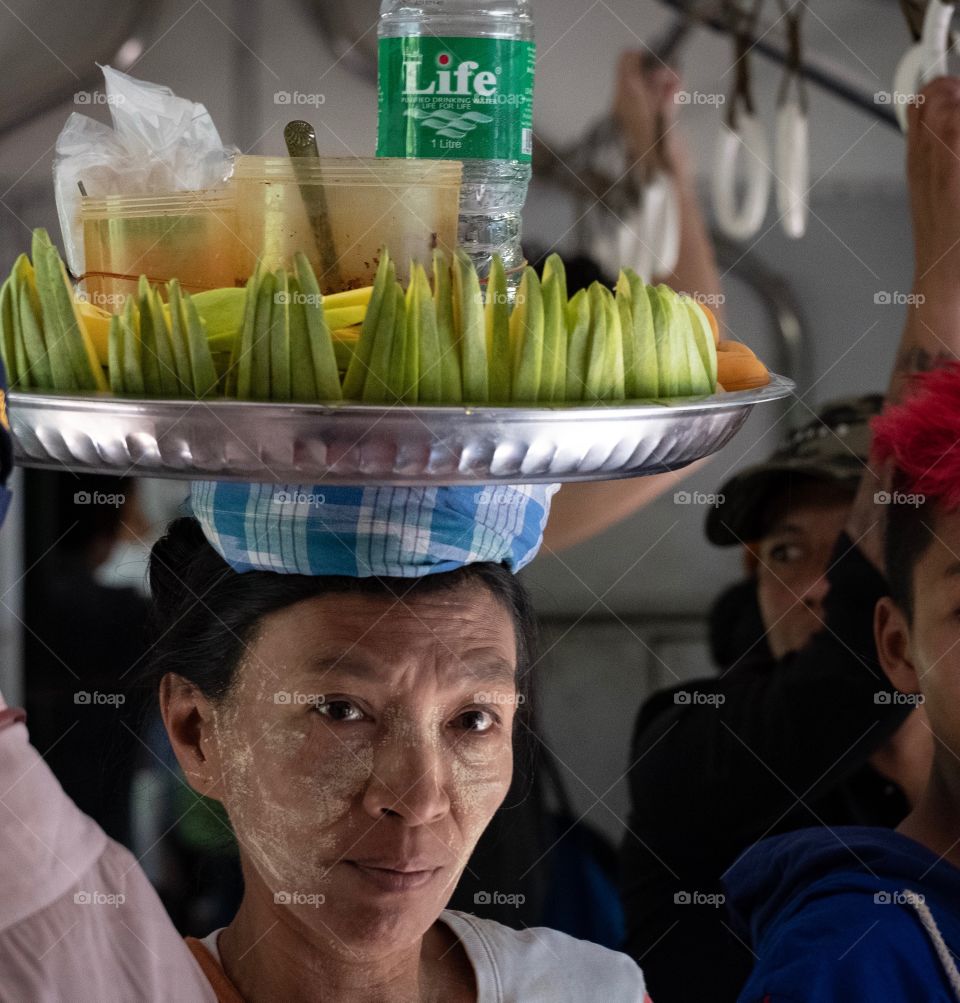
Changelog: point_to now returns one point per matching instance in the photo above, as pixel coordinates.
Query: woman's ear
(188, 717)
(891, 631)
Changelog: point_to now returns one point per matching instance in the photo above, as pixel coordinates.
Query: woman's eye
(339, 710)
(786, 553)
(477, 721)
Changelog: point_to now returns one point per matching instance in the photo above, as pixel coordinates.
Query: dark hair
(907, 535)
(204, 613)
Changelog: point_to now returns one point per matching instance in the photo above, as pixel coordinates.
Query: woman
(358, 728)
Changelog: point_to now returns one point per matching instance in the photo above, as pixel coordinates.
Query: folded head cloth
(401, 532)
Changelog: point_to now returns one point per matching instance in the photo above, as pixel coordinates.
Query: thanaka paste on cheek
(284, 798)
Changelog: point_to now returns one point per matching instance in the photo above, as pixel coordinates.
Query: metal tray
(366, 444)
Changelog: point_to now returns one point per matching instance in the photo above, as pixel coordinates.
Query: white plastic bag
(158, 143)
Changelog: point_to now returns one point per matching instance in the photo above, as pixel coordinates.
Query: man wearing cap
(802, 727)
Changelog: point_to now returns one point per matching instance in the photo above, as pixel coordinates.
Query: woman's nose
(815, 593)
(408, 781)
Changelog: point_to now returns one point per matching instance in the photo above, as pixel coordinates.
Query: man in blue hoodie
(856, 913)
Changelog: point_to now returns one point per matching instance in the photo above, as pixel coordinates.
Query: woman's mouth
(395, 876)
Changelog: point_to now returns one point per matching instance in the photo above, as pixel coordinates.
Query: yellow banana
(97, 322)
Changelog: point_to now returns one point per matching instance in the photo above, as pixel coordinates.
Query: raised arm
(644, 101)
(931, 335)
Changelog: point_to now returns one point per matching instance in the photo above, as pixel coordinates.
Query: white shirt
(535, 965)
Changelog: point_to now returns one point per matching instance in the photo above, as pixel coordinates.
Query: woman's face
(360, 754)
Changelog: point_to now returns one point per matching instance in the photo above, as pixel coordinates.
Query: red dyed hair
(922, 437)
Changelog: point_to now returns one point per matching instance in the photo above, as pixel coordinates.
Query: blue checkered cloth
(397, 532)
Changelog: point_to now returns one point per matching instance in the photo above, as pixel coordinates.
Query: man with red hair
(802, 728)
(862, 913)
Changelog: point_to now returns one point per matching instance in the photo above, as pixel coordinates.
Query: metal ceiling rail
(823, 74)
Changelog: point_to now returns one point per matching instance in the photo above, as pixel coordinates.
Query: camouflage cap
(833, 446)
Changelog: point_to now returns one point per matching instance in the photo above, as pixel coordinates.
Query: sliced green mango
(553, 374)
(303, 387)
(411, 377)
(397, 367)
(615, 364)
(132, 367)
(625, 309)
(430, 370)
(377, 387)
(115, 355)
(526, 336)
(673, 364)
(63, 326)
(356, 378)
(7, 334)
(166, 361)
(260, 353)
(31, 328)
(38, 361)
(242, 361)
(497, 328)
(201, 360)
(179, 340)
(149, 348)
(643, 380)
(578, 345)
(448, 335)
(554, 266)
(280, 338)
(468, 309)
(326, 375)
(706, 344)
(597, 382)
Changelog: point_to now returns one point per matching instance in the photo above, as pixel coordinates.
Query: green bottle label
(461, 98)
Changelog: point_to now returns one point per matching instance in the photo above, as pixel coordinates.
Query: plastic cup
(190, 236)
(340, 211)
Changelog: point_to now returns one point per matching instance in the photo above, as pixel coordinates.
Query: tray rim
(778, 388)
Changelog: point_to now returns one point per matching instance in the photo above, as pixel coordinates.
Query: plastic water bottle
(456, 81)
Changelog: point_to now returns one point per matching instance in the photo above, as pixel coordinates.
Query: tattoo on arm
(916, 359)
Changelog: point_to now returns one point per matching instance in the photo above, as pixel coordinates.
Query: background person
(867, 913)
(806, 730)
